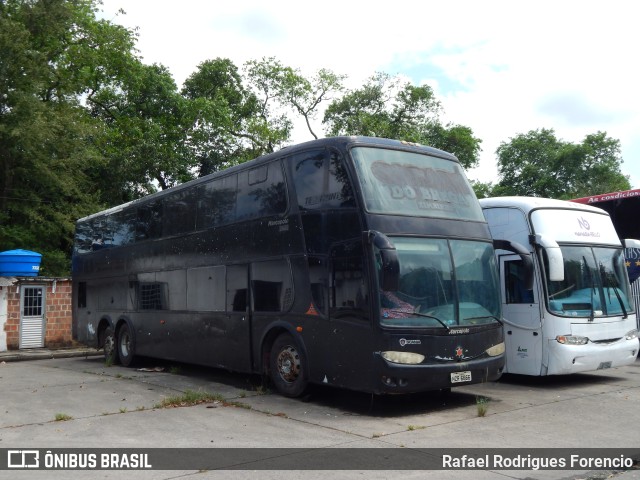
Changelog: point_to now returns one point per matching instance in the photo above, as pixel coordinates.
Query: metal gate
(32, 324)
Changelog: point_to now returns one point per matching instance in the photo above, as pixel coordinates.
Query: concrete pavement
(119, 407)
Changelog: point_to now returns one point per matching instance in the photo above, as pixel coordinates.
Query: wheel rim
(288, 363)
(125, 343)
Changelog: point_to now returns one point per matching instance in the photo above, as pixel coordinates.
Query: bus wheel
(126, 347)
(287, 367)
(109, 345)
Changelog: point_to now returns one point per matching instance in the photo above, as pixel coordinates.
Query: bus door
(522, 317)
(233, 344)
(350, 330)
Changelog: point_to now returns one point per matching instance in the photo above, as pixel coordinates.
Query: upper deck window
(407, 183)
(321, 181)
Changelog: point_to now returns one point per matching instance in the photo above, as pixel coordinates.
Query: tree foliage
(538, 164)
(386, 107)
(231, 123)
(50, 53)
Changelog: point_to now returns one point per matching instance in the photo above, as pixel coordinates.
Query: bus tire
(287, 366)
(126, 345)
(109, 345)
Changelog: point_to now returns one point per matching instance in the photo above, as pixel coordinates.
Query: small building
(35, 312)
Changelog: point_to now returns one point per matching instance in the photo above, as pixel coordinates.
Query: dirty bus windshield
(406, 183)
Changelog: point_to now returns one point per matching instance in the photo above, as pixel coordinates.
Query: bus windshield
(595, 283)
(406, 183)
(443, 283)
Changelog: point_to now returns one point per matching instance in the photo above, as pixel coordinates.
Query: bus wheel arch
(287, 364)
(107, 341)
(125, 342)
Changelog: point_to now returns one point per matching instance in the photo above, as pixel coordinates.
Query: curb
(44, 354)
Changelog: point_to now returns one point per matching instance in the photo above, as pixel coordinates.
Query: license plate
(604, 365)
(457, 377)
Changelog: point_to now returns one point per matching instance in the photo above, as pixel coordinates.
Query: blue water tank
(19, 263)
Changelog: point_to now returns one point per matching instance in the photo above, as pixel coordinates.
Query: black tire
(287, 367)
(126, 345)
(108, 343)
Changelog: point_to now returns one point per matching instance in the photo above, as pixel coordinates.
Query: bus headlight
(631, 335)
(495, 350)
(572, 340)
(406, 358)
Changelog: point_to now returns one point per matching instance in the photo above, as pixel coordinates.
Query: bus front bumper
(401, 378)
(565, 359)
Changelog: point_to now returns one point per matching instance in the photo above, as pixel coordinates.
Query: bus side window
(349, 286)
(216, 204)
(149, 221)
(321, 181)
(237, 291)
(271, 286)
(515, 284)
(179, 213)
(339, 192)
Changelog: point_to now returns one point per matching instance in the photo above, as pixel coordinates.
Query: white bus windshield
(443, 284)
(594, 285)
(407, 183)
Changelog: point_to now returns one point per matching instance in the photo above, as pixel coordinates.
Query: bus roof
(527, 204)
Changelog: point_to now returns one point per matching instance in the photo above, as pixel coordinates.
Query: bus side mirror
(554, 256)
(525, 255)
(389, 269)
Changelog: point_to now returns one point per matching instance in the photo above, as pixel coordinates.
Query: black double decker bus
(356, 262)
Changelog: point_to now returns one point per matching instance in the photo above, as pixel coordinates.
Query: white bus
(579, 316)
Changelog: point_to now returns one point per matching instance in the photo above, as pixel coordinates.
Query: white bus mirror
(554, 256)
(556, 264)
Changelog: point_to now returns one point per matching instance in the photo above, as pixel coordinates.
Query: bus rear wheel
(126, 345)
(287, 367)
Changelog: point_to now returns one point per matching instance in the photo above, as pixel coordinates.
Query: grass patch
(482, 405)
(190, 397)
(411, 428)
(175, 370)
(63, 417)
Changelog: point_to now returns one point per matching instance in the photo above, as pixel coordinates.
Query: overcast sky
(499, 67)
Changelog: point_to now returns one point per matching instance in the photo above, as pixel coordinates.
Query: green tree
(145, 123)
(386, 107)
(481, 189)
(230, 124)
(52, 53)
(291, 89)
(538, 164)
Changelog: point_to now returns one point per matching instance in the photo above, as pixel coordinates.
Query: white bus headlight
(495, 350)
(631, 335)
(406, 358)
(572, 340)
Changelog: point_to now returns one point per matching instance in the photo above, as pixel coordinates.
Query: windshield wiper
(610, 286)
(485, 316)
(417, 314)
